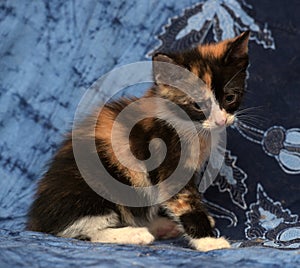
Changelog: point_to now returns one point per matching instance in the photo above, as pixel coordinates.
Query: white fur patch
(89, 225)
(209, 243)
(193, 158)
(125, 235)
(105, 229)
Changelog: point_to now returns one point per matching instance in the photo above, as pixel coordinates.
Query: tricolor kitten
(66, 206)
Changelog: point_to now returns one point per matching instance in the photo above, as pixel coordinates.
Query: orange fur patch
(207, 79)
(195, 70)
(180, 205)
(103, 132)
(217, 50)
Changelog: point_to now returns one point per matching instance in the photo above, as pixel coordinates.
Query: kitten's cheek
(230, 120)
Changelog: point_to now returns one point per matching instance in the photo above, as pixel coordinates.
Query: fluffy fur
(66, 206)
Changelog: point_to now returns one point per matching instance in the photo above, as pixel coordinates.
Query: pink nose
(221, 121)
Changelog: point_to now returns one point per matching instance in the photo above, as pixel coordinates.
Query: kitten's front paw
(140, 236)
(125, 235)
(209, 243)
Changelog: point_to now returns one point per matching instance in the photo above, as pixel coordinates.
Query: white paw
(140, 236)
(125, 235)
(209, 243)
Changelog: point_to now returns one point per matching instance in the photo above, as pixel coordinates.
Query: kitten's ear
(237, 48)
(161, 70)
(163, 58)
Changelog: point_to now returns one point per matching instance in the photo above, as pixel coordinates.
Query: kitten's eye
(197, 106)
(230, 98)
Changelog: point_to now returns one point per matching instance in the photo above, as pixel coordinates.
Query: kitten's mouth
(218, 125)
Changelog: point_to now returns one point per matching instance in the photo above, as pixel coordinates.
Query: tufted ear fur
(163, 58)
(168, 70)
(161, 70)
(237, 49)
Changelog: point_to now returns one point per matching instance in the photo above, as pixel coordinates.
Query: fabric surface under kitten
(66, 206)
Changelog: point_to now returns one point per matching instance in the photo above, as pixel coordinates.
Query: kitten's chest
(197, 155)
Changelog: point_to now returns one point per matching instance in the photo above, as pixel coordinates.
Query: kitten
(66, 206)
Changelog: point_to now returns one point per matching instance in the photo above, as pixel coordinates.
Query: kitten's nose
(221, 121)
(219, 117)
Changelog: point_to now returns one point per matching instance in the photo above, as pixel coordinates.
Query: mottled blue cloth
(53, 51)
(28, 249)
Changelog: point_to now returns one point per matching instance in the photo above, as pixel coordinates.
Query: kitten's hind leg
(164, 228)
(84, 228)
(124, 235)
(106, 229)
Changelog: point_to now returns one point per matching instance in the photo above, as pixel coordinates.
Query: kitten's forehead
(203, 93)
(200, 91)
(216, 51)
(205, 74)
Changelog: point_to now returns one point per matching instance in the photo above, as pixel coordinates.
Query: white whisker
(233, 77)
(249, 115)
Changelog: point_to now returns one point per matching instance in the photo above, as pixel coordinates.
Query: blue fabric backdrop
(52, 51)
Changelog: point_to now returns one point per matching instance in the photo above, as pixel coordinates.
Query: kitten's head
(222, 67)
